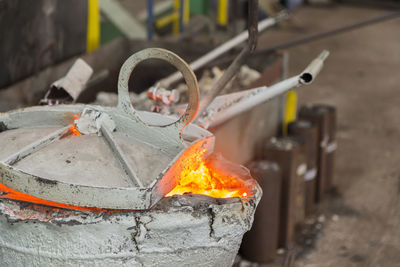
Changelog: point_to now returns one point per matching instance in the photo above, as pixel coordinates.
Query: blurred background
(357, 221)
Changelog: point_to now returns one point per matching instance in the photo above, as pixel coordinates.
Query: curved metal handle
(124, 102)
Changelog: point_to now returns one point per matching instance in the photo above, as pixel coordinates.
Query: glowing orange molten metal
(73, 127)
(9, 193)
(208, 179)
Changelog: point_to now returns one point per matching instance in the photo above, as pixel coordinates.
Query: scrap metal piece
(91, 121)
(68, 88)
(163, 96)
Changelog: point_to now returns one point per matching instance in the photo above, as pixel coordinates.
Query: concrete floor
(361, 78)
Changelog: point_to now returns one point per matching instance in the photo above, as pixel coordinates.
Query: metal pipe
(215, 53)
(261, 242)
(321, 118)
(286, 152)
(262, 94)
(181, 3)
(308, 131)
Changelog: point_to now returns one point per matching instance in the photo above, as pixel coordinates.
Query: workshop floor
(361, 78)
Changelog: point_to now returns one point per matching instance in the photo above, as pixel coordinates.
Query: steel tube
(261, 242)
(331, 145)
(309, 133)
(320, 118)
(301, 170)
(286, 152)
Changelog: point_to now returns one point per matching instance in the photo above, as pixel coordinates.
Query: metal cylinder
(321, 119)
(286, 151)
(301, 170)
(308, 131)
(261, 242)
(332, 145)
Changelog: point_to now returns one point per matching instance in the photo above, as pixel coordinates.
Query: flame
(206, 179)
(73, 126)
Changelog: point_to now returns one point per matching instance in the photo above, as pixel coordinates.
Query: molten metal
(73, 127)
(211, 178)
(9, 193)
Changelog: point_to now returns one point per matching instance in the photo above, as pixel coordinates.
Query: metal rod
(329, 33)
(181, 3)
(234, 67)
(215, 53)
(121, 156)
(36, 146)
(149, 19)
(321, 35)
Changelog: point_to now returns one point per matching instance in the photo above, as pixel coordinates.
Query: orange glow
(205, 179)
(9, 193)
(73, 127)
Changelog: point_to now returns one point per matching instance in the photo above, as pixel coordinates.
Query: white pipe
(262, 94)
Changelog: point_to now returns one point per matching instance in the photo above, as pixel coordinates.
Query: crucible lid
(101, 157)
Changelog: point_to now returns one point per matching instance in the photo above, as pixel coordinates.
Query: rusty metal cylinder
(321, 119)
(286, 151)
(308, 131)
(261, 242)
(332, 145)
